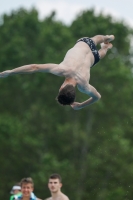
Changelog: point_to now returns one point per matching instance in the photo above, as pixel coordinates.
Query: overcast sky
(68, 9)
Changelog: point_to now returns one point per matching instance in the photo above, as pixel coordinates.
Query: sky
(67, 10)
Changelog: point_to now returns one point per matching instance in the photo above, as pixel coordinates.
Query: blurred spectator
(54, 185)
(16, 191)
(27, 187)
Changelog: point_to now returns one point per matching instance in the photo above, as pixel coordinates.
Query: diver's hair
(56, 176)
(26, 181)
(66, 95)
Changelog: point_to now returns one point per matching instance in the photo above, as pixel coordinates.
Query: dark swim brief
(93, 48)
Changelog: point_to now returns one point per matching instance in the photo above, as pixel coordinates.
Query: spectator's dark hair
(66, 95)
(27, 180)
(55, 176)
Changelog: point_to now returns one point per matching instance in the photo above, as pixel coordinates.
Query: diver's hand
(4, 74)
(76, 106)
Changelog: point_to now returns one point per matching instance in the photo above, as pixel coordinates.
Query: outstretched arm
(95, 96)
(32, 68)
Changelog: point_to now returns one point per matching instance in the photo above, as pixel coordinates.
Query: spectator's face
(26, 189)
(54, 185)
(16, 191)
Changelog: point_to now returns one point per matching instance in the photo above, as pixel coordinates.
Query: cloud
(66, 11)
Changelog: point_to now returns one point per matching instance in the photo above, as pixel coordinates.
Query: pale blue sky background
(68, 9)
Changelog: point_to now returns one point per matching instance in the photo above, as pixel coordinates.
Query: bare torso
(61, 196)
(77, 63)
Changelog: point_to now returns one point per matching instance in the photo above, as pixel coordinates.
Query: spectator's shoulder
(65, 197)
(49, 198)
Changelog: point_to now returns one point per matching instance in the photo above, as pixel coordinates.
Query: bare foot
(106, 46)
(109, 39)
